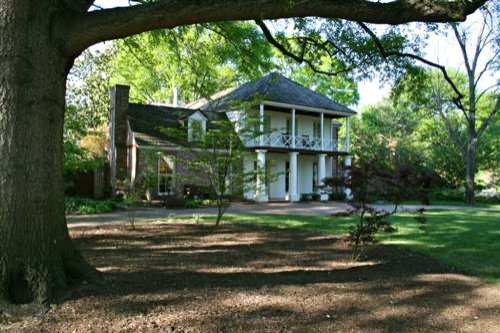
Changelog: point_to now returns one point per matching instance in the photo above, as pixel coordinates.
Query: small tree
(130, 196)
(370, 180)
(215, 157)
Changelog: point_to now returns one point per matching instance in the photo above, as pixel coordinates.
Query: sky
(441, 49)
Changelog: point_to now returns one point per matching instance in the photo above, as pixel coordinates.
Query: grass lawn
(466, 239)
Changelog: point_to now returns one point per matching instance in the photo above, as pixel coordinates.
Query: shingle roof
(148, 122)
(275, 87)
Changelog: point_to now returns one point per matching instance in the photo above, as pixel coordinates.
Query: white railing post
(293, 128)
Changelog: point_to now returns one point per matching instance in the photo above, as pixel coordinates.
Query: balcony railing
(302, 142)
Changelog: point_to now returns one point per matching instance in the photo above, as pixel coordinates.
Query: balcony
(302, 142)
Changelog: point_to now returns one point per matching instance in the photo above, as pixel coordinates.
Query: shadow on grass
(466, 239)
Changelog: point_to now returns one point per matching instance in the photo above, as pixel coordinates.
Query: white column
(293, 128)
(347, 164)
(261, 124)
(322, 175)
(292, 186)
(347, 135)
(260, 186)
(322, 131)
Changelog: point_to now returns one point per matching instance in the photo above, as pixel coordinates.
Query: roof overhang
(308, 108)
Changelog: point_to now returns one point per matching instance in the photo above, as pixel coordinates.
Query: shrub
(192, 203)
(337, 196)
(173, 201)
(488, 196)
(74, 205)
(306, 197)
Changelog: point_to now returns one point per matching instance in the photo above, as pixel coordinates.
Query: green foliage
(199, 60)
(426, 94)
(74, 205)
(87, 111)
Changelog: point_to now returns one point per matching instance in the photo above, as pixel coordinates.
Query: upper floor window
(317, 129)
(289, 126)
(197, 126)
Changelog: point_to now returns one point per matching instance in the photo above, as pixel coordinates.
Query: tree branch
(299, 59)
(459, 96)
(489, 119)
(81, 31)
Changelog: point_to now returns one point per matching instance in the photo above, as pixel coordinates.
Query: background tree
(480, 56)
(38, 44)
(199, 60)
(86, 115)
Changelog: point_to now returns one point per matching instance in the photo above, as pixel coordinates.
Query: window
(267, 124)
(335, 133)
(289, 126)
(317, 130)
(315, 177)
(166, 173)
(196, 129)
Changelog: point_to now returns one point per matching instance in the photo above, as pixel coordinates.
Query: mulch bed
(245, 278)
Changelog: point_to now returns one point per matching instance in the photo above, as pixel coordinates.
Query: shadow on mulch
(241, 278)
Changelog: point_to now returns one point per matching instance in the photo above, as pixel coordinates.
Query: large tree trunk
(37, 257)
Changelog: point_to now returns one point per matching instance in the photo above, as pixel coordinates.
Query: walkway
(275, 208)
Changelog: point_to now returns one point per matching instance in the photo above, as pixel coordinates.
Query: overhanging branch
(386, 54)
(298, 58)
(81, 31)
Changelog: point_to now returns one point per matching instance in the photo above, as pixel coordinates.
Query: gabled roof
(275, 87)
(148, 122)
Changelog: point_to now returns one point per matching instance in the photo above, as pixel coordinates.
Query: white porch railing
(302, 142)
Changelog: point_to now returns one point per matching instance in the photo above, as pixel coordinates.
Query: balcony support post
(293, 128)
(292, 186)
(261, 190)
(347, 135)
(261, 124)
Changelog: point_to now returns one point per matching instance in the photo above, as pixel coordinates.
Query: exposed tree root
(45, 279)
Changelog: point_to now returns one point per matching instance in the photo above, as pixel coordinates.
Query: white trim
(308, 108)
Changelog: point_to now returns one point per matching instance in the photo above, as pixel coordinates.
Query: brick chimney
(118, 130)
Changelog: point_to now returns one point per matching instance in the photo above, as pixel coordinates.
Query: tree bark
(470, 172)
(37, 258)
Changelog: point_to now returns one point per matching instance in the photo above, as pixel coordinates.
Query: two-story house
(299, 139)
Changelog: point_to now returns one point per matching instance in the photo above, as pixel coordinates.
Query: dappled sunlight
(244, 277)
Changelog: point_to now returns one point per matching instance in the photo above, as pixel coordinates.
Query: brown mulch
(244, 278)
